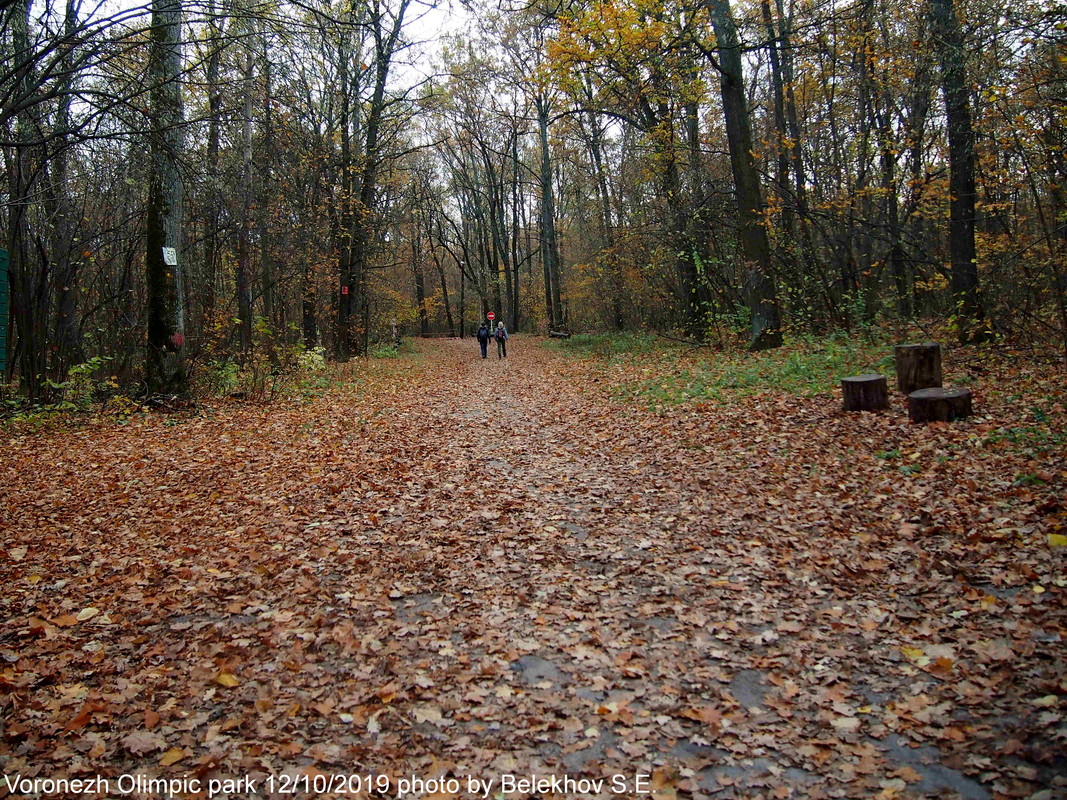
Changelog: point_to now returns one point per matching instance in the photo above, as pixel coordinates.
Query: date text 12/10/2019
(505, 785)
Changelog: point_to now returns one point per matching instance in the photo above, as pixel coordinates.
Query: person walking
(501, 340)
(483, 339)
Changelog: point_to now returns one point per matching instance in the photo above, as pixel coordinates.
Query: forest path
(455, 566)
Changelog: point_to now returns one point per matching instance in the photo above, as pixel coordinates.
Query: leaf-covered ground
(444, 566)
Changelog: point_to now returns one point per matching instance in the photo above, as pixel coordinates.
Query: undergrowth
(301, 375)
(1020, 398)
(661, 373)
(607, 344)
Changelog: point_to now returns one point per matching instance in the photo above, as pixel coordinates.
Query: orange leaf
(172, 756)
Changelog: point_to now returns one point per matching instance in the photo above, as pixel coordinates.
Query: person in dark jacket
(483, 338)
(501, 341)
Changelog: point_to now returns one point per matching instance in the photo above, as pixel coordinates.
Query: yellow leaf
(87, 613)
(226, 679)
(1039, 589)
(1057, 540)
(172, 756)
(911, 653)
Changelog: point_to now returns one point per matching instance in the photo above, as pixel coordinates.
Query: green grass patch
(392, 350)
(804, 367)
(607, 344)
(1032, 439)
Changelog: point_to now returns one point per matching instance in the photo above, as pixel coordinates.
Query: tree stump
(939, 405)
(918, 366)
(865, 393)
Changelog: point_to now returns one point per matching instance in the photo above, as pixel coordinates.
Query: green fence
(3, 314)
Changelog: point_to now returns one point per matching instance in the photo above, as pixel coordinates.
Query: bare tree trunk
(515, 231)
(919, 109)
(164, 366)
(430, 225)
(607, 244)
(420, 282)
(213, 199)
(892, 204)
(266, 277)
(778, 86)
(68, 336)
(244, 236)
(811, 262)
(272, 325)
(29, 275)
(759, 287)
(386, 37)
(948, 38)
(697, 232)
(549, 246)
(859, 241)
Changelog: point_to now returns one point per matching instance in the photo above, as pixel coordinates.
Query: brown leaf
(140, 742)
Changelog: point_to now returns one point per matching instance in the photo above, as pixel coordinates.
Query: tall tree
(164, 365)
(29, 275)
(385, 26)
(759, 286)
(948, 38)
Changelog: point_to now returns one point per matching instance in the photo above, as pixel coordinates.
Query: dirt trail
(467, 567)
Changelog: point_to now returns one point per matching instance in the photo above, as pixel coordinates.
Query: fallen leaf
(141, 742)
(227, 679)
(172, 756)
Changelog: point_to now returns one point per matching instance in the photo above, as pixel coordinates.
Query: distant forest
(233, 182)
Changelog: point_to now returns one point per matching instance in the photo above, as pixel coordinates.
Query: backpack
(500, 334)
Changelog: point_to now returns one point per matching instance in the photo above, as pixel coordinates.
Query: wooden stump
(865, 393)
(939, 405)
(918, 366)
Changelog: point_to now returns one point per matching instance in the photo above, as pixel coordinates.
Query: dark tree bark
(213, 199)
(164, 366)
(865, 393)
(614, 268)
(777, 84)
(759, 286)
(243, 278)
(307, 307)
(385, 31)
(29, 273)
(68, 334)
(697, 229)
(549, 246)
(948, 38)
(918, 366)
(266, 268)
(939, 405)
(515, 196)
(420, 283)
